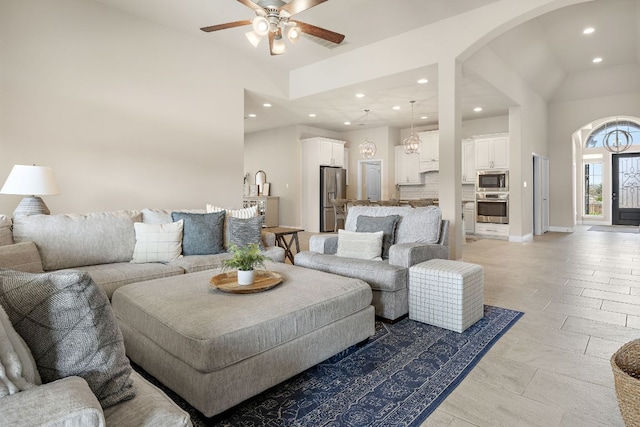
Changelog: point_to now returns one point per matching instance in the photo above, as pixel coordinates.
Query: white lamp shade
(31, 180)
(253, 38)
(261, 25)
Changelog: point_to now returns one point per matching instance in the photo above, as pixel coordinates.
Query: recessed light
(395, 107)
(359, 95)
(597, 60)
(588, 30)
(423, 81)
(312, 115)
(347, 123)
(253, 116)
(424, 117)
(266, 105)
(477, 109)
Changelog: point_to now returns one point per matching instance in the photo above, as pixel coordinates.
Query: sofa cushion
(18, 369)
(22, 257)
(250, 212)
(360, 245)
(112, 276)
(416, 225)
(73, 240)
(202, 233)
(67, 322)
(243, 232)
(163, 216)
(150, 407)
(386, 224)
(157, 242)
(6, 237)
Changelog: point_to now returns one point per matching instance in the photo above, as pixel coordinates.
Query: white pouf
(447, 294)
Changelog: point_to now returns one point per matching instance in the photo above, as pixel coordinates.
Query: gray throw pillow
(67, 322)
(386, 224)
(202, 233)
(245, 231)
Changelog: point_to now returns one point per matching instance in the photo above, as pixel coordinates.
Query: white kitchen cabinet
(407, 167)
(492, 152)
(331, 152)
(469, 213)
(498, 231)
(316, 152)
(429, 151)
(468, 161)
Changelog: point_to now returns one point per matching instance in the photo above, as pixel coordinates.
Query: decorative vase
(246, 277)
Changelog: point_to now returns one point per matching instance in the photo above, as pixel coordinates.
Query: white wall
(277, 152)
(127, 113)
(564, 119)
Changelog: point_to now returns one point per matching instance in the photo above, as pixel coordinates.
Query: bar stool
(339, 212)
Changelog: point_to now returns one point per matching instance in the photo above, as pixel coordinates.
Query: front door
(625, 196)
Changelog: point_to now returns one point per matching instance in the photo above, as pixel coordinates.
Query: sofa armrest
(65, 402)
(268, 239)
(324, 243)
(409, 254)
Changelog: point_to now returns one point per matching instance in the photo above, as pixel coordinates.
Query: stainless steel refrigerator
(333, 185)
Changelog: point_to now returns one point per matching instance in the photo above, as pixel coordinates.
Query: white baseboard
(520, 239)
(561, 229)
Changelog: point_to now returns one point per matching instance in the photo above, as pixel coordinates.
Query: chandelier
(411, 144)
(367, 148)
(617, 140)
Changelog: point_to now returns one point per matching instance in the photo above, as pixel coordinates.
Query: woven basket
(626, 373)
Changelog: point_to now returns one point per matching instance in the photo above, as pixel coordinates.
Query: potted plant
(245, 260)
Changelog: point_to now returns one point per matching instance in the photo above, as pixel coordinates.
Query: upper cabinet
(429, 151)
(331, 151)
(407, 167)
(492, 152)
(468, 161)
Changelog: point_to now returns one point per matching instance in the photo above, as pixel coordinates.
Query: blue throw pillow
(203, 233)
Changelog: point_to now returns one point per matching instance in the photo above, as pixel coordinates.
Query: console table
(281, 241)
(267, 206)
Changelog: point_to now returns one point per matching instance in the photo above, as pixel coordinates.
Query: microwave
(492, 180)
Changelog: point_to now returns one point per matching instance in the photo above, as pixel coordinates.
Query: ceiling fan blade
(227, 25)
(297, 6)
(250, 4)
(322, 33)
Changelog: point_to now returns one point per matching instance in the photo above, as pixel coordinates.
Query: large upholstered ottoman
(446, 293)
(216, 349)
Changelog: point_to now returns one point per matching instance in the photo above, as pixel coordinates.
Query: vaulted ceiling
(546, 52)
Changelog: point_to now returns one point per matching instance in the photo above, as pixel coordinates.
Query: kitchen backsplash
(430, 189)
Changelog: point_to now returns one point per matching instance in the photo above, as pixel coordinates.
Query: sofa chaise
(418, 234)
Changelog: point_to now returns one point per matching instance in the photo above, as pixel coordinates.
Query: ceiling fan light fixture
(293, 33)
(253, 38)
(261, 25)
(278, 46)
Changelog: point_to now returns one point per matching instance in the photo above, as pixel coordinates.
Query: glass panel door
(625, 195)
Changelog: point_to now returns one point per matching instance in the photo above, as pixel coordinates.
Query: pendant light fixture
(412, 143)
(367, 148)
(617, 140)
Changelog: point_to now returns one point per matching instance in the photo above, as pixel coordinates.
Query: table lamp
(34, 181)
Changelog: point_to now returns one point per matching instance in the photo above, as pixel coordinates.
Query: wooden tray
(228, 282)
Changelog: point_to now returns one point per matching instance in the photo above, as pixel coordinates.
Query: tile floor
(580, 293)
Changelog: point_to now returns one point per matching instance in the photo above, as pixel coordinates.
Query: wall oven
(492, 208)
(492, 180)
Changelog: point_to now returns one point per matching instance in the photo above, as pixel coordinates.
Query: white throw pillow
(352, 244)
(158, 242)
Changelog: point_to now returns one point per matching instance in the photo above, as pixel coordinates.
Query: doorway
(625, 189)
(370, 179)
(540, 195)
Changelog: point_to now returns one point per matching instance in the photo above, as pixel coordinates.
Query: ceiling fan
(273, 19)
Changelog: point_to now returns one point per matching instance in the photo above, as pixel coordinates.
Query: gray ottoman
(448, 294)
(217, 349)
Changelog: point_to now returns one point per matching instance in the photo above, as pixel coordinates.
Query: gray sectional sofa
(420, 235)
(100, 244)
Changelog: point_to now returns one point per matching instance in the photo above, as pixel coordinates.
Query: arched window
(614, 133)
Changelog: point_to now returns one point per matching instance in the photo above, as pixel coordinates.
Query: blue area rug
(398, 378)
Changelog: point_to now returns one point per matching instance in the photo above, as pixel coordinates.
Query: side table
(281, 233)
